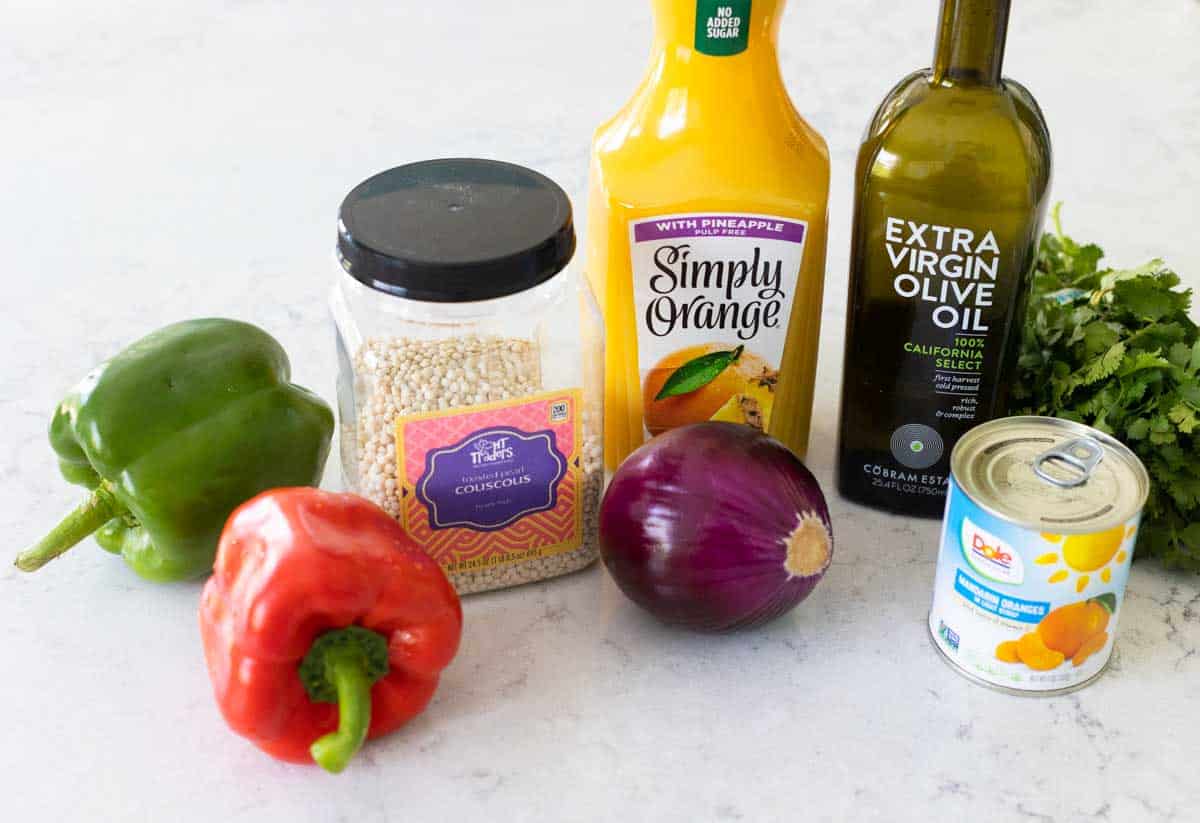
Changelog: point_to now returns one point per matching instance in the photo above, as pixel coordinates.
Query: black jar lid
(455, 230)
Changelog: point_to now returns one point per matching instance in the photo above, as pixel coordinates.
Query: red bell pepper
(323, 624)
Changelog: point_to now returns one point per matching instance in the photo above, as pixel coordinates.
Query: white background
(161, 159)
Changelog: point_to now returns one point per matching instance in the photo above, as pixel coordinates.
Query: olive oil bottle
(950, 196)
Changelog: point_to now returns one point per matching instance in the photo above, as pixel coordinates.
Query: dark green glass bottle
(951, 193)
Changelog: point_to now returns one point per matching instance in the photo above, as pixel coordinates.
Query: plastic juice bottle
(951, 193)
(706, 241)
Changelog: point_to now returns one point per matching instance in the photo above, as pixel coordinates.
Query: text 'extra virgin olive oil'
(951, 193)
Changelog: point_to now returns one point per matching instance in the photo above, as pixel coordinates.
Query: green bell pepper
(175, 432)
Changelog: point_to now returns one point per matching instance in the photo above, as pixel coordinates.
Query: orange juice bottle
(706, 235)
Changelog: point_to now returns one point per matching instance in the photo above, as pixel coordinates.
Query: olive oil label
(722, 27)
(929, 351)
(713, 294)
(493, 484)
(949, 272)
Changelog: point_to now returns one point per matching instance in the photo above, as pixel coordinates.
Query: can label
(1022, 609)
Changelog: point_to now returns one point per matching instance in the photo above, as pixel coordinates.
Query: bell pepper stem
(341, 667)
(348, 672)
(90, 515)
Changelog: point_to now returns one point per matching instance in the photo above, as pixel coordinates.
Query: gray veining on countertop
(169, 159)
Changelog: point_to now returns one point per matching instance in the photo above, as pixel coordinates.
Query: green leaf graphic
(697, 373)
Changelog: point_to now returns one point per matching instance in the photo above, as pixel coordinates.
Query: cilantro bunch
(1115, 348)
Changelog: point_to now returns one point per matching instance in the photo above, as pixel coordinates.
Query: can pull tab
(1075, 461)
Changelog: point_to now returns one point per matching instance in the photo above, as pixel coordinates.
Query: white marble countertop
(165, 159)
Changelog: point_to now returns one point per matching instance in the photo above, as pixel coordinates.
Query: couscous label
(491, 478)
(493, 484)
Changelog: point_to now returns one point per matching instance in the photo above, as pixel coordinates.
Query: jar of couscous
(470, 386)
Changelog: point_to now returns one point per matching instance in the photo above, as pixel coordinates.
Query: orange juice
(706, 242)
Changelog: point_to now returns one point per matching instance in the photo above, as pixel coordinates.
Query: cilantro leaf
(1145, 297)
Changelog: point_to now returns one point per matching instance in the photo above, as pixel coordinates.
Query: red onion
(715, 526)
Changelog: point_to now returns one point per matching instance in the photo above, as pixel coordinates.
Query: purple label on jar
(491, 479)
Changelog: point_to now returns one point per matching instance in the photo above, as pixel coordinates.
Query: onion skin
(695, 528)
